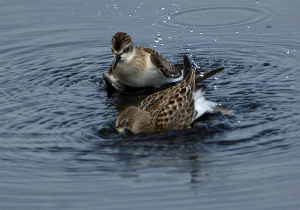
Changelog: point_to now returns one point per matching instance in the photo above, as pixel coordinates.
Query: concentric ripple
(58, 145)
(218, 16)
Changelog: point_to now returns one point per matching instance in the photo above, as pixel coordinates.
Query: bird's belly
(141, 74)
(144, 78)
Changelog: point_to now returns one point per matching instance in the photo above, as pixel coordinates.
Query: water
(58, 149)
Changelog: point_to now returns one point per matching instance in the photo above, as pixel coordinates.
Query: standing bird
(171, 109)
(138, 66)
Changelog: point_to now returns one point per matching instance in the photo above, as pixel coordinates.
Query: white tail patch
(201, 104)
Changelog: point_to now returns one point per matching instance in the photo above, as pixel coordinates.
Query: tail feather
(223, 110)
(203, 87)
(201, 104)
(208, 75)
(186, 66)
(188, 74)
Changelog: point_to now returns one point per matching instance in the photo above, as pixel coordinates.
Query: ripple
(57, 122)
(213, 16)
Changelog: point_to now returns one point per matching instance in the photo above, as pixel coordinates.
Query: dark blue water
(58, 149)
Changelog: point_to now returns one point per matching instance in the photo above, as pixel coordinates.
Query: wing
(173, 108)
(177, 112)
(152, 102)
(164, 66)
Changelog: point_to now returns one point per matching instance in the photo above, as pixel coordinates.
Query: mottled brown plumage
(172, 109)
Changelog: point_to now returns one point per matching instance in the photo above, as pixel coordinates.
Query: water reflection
(133, 156)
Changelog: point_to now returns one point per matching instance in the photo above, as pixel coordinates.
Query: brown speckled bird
(171, 109)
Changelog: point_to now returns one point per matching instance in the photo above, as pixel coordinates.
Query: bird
(171, 109)
(138, 67)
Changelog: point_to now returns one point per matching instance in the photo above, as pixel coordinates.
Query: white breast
(142, 72)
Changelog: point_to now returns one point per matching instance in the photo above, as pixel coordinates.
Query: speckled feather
(172, 109)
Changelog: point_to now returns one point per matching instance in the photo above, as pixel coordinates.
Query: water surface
(58, 149)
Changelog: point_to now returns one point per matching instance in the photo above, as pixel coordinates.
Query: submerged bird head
(133, 119)
(121, 47)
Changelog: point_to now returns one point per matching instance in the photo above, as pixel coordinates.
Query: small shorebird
(171, 109)
(138, 66)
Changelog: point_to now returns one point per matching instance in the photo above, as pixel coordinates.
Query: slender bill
(116, 61)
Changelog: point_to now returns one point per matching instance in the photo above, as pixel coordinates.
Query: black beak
(116, 61)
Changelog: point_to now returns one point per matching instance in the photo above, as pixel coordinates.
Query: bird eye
(126, 49)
